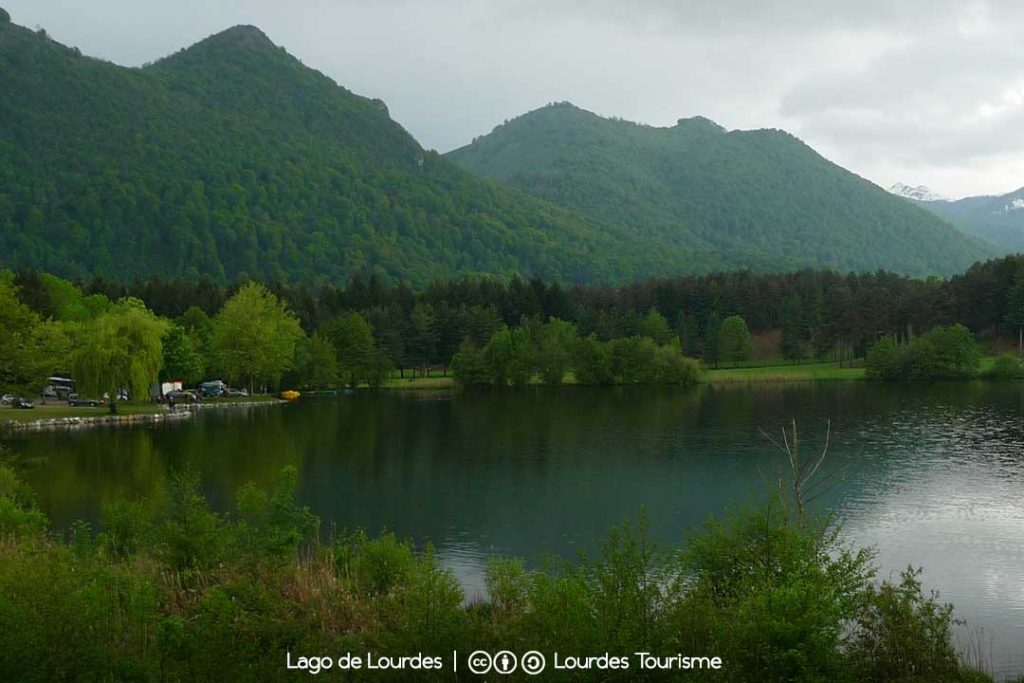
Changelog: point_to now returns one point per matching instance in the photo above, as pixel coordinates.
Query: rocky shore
(182, 412)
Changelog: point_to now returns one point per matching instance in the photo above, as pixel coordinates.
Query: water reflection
(934, 478)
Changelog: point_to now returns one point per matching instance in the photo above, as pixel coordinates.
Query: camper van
(59, 388)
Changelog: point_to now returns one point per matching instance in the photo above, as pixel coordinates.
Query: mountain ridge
(758, 198)
(232, 159)
(997, 219)
(919, 193)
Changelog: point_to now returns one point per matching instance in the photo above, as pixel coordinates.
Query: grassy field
(420, 383)
(56, 411)
(785, 373)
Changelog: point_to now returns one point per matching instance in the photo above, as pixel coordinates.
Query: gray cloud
(913, 91)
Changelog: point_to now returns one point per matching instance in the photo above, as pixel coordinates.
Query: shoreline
(760, 374)
(160, 414)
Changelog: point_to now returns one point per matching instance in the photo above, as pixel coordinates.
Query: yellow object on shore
(290, 395)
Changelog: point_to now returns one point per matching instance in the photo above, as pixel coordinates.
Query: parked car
(77, 401)
(237, 393)
(7, 399)
(180, 397)
(23, 404)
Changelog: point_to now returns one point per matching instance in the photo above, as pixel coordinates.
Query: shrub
(18, 513)
(1005, 367)
(777, 598)
(674, 368)
(902, 635)
(883, 360)
(634, 360)
(382, 564)
(942, 353)
(125, 523)
(190, 535)
(771, 596)
(271, 523)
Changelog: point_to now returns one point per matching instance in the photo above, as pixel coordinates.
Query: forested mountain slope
(232, 159)
(760, 199)
(998, 219)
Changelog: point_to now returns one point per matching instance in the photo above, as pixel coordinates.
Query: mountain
(998, 219)
(759, 199)
(232, 159)
(918, 193)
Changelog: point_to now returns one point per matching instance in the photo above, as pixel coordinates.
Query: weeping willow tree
(121, 349)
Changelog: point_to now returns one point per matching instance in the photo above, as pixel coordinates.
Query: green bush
(943, 353)
(634, 360)
(771, 595)
(883, 360)
(382, 564)
(776, 597)
(1005, 367)
(902, 635)
(125, 525)
(672, 367)
(189, 534)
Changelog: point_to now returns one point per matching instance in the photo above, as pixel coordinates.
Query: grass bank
(780, 372)
(420, 383)
(56, 412)
(803, 372)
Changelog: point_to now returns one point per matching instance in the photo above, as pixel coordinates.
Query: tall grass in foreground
(188, 594)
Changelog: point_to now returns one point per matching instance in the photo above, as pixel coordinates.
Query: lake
(934, 474)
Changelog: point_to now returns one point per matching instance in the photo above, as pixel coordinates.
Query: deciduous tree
(254, 336)
(734, 340)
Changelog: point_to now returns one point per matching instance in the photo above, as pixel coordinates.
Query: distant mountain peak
(699, 121)
(243, 36)
(918, 193)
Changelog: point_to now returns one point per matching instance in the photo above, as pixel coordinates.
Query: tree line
(365, 331)
(821, 314)
(551, 350)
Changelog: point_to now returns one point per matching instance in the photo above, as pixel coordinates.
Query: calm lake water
(935, 475)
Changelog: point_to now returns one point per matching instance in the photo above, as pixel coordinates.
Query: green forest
(233, 160)
(757, 199)
(997, 219)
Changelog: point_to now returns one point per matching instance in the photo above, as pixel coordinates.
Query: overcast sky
(917, 91)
